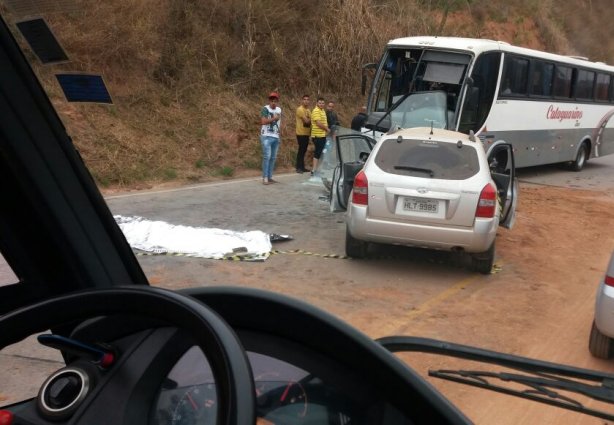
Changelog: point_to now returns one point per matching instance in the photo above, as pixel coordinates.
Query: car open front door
(503, 172)
(352, 151)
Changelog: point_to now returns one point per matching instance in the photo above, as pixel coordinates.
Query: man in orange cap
(270, 135)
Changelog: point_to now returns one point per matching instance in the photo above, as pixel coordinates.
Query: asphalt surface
(598, 173)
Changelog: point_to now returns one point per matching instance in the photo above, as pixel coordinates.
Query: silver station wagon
(432, 188)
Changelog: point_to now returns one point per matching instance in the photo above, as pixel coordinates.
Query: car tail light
(487, 203)
(6, 417)
(360, 192)
(609, 280)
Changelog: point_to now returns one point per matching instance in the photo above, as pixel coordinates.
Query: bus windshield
(407, 76)
(419, 109)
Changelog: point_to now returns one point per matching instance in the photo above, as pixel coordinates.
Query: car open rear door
(352, 151)
(503, 172)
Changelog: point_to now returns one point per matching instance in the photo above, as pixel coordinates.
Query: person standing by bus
(319, 129)
(303, 131)
(270, 134)
(358, 122)
(332, 118)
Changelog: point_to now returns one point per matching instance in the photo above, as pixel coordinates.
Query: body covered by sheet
(160, 237)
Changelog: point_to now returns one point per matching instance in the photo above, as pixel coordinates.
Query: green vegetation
(225, 171)
(170, 174)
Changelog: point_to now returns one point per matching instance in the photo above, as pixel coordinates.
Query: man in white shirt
(270, 135)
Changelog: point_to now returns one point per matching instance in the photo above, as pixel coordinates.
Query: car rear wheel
(353, 247)
(482, 262)
(599, 344)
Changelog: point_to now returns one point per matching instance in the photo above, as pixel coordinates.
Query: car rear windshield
(428, 158)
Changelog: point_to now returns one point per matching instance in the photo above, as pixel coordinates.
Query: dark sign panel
(84, 88)
(42, 41)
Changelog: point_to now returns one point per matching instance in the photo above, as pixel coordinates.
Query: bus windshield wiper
(390, 109)
(542, 380)
(408, 168)
(541, 388)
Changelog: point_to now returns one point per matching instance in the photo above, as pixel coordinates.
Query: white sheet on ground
(160, 237)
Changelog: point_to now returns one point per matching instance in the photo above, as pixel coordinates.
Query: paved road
(597, 174)
(210, 205)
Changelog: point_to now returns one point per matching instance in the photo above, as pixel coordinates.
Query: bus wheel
(581, 158)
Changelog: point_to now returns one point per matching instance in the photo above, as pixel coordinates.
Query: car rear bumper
(471, 239)
(604, 310)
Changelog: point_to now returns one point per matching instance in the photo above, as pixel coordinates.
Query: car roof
(435, 133)
(56, 231)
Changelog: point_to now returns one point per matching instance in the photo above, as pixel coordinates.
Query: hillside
(189, 76)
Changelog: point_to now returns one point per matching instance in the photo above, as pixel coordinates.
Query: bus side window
(585, 83)
(515, 74)
(602, 87)
(541, 78)
(562, 82)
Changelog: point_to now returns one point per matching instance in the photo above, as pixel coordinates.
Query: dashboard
(306, 367)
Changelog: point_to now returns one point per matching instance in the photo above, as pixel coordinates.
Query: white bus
(550, 108)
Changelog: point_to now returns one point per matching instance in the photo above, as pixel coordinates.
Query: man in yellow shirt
(319, 129)
(303, 131)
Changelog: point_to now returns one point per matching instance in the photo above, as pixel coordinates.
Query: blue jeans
(270, 145)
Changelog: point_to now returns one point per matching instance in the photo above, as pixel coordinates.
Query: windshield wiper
(390, 109)
(408, 168)
(540, 388)
(542, 379)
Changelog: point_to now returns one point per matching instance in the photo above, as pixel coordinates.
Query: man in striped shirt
(319, 129)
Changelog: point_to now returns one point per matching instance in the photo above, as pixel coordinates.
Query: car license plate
(421, 205)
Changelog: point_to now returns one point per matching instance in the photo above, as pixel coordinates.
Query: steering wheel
(228, 360)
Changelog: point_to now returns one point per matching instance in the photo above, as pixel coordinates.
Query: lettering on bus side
(555, 113)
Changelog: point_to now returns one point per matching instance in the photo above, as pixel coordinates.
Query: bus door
(480, 93)
(503, 172)
(352, 152)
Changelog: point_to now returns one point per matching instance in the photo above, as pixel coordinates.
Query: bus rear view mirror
(363, 83)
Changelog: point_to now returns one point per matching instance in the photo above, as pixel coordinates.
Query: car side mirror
(363, 156)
